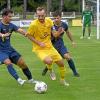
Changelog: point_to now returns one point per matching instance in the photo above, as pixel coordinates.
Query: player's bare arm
(21, 31)
(70, 37)
(41, 44)
(57, 33)
(4, 35)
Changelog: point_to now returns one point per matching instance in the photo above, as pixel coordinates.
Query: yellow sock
(49, 67)
(62, 72)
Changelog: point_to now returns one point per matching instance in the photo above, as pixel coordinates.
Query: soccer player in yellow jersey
(39, 33)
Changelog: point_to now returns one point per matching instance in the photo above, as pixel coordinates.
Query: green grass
(87, 60)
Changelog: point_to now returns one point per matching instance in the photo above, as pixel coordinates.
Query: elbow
(55, 35)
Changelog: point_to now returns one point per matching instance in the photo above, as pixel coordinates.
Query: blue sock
(12, 71)
(72, 66)
(27, 72)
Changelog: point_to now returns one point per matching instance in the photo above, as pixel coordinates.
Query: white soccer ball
(40, 87)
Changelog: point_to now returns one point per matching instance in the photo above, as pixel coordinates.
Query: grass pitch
(87, 60)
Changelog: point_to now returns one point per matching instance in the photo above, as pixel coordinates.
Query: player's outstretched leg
(72, 67)
(62, 72)
(26, 71)
(14, 74)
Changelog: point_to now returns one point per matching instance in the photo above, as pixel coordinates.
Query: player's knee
(7, 62)
(60, 63)
(48, 61)
(67, 57)
(21, 64)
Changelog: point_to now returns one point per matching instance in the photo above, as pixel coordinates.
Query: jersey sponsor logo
(44, 35)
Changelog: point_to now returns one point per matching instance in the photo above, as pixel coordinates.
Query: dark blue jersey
(57, 41)
(5, 42)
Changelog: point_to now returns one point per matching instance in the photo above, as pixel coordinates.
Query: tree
(61, 5)
(25, 7)
(48, 6)
(8, 4)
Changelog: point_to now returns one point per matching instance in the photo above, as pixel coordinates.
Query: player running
(58, 31)
(8, 55)
(40, 33)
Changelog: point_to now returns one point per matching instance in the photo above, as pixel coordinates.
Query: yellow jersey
(41, 32)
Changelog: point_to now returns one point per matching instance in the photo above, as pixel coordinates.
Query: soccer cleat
(76, 74)
(81, 37)
(32, 81)
(52, 75)
(89, 38)
(44, 71)
(63, 82)
(20, 81)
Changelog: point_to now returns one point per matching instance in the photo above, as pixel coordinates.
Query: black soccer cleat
(76, 74)
(44, 71)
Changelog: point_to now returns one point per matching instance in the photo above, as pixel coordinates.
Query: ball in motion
(40, 87)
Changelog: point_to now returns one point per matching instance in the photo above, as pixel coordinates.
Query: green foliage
(18, 9)
(69, 5)
(2, 4)
(32, 4)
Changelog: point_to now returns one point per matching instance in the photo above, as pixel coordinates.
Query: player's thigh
(55, 55)
(14, 57)
(48, 53)
(42, 54)
(4, 58)
(63, 50)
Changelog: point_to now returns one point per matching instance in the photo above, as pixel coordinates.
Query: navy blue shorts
(61, 49)
(12, 54)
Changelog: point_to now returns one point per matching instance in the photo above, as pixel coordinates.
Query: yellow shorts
(51, 52)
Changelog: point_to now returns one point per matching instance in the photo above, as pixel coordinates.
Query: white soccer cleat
(89, 38)
(63, 82)
(20, 81)
(52, 75)
(33, 81)
(81, 37)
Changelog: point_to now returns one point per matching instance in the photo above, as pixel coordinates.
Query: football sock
(89, 34)
(27, 72)
(83, 32)
(72, 65)
(49, 67)
(62, 72)
(12, 71)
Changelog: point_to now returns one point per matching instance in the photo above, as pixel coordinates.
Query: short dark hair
(5, 12)
(57, 13)
(40, 9)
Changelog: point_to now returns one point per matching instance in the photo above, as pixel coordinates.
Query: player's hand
(7, 34)
(41, 44)
(60, 30)
(74, 44)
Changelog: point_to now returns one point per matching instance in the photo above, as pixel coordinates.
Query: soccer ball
(40, 87)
